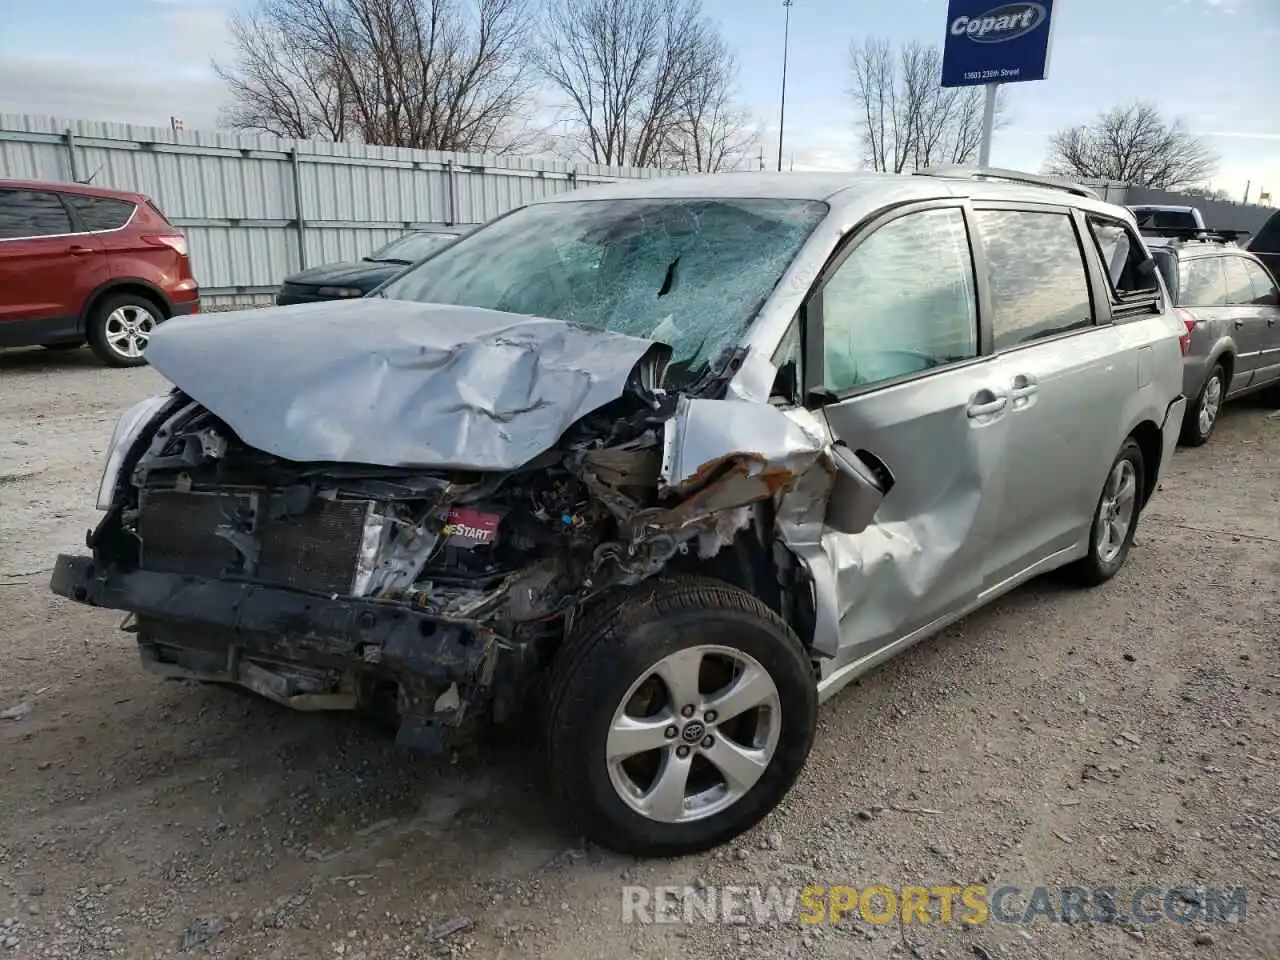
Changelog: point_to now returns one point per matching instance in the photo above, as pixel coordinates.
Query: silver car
(1230, 307)
(665, 463)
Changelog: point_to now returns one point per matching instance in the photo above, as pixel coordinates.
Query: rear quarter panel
(1160, 377)
(132, 257)
(1211, 340)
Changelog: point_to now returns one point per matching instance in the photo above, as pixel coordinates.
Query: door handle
(1239, 323)
(78, 251)
(1024, 385)
(984, 403)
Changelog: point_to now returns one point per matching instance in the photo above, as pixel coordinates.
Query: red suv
(82, 264)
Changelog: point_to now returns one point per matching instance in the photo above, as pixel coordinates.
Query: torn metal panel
(703, 434)
(399, 384)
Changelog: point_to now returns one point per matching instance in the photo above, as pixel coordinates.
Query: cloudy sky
(1211, 62)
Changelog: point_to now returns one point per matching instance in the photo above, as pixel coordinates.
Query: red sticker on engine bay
(471, 528)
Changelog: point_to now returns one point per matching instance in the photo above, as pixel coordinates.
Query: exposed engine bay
(492, 567)
(438, 594)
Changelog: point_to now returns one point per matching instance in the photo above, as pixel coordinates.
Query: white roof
(856, 191)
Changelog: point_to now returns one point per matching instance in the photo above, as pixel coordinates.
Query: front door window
(901, 303)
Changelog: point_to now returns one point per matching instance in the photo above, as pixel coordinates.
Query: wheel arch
(764, 567)
(1150, 441)
(134, 285)
(1227, 358)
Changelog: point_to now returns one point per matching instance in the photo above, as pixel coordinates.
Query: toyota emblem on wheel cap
(693, 731)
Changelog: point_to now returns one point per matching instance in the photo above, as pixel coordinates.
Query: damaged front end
(438, 596)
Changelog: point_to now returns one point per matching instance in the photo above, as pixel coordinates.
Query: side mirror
(862, 482)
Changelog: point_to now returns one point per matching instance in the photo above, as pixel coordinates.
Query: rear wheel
(1202, 416)
(121, 328)
(677, 717)
(1115, 519)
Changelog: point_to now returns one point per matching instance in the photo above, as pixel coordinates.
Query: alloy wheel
(1117, 509)
(1210, 404)
(693, 734)
(128, 330)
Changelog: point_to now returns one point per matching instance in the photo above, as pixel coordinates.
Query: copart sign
(990, 42)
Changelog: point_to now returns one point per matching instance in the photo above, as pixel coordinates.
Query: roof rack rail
(1193, 233)
(1013, 176)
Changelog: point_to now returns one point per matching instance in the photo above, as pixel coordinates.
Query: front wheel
(1115, 519)
(678, 716)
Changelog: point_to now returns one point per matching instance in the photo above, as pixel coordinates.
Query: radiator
(314, 551)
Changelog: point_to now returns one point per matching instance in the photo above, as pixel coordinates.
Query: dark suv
(79, 264)
(1265, 244)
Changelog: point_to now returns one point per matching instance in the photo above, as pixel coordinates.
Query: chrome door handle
(1024, 385)
(986, 402)
(1239, 324)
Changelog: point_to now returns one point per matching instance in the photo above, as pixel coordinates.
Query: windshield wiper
(387, 260)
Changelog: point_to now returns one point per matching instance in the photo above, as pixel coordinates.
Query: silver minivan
(663, 464)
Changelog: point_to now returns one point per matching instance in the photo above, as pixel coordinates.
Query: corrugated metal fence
(256, 208)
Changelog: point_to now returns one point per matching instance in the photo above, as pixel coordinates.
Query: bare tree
(906, 118)
(641, 82)
(1132, 144)
(712, 132)
(279, 86)
(433, 74)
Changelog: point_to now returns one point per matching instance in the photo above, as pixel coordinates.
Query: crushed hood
(397, 384)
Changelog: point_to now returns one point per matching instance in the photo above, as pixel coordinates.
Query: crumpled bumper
(233, 623)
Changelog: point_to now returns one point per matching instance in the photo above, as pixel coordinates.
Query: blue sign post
(991, 43)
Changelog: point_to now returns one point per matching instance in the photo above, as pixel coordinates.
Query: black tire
(1093, 569)
(624, 637)
(100, 342)
(1192, 435)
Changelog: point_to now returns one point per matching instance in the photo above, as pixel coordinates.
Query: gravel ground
(1119, 736)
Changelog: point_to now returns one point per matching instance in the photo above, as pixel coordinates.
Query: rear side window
(1202, 283)
(1168, 266)
(1122, 256)
(100, 213)
(1239, 287)
(32, 213)
(1039, 287)
(1264, 288)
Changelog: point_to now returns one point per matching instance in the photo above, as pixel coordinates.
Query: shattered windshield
(691, 273)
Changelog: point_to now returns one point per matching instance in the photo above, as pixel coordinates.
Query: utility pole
(782, 110)
(988, 124)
